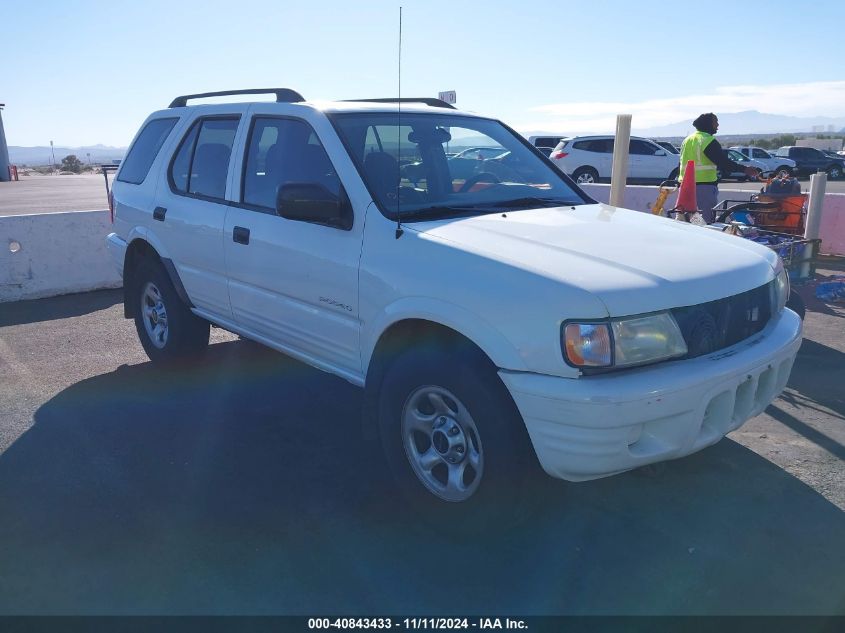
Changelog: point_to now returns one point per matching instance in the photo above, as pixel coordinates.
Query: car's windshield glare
(445, 165)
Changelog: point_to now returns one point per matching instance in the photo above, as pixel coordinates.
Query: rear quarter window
(144, 150)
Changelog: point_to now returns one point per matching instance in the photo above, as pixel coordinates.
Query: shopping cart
(780, 207)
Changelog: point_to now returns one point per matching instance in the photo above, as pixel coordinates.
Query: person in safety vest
(703, 148)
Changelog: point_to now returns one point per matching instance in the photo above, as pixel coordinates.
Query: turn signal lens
(587, 344)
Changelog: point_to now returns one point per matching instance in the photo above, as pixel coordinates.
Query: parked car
(463, 164)
(743, 160)
(589, 159)
(772, 164)
(494, 322)
(809, 161)
(546, 144)
(479, 153)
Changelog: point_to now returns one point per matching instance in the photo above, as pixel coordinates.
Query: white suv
(589, 159)
(772, 164)
(496, 319)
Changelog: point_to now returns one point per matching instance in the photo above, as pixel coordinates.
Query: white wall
(59, 253)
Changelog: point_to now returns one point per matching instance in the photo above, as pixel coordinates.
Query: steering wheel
(485, 176)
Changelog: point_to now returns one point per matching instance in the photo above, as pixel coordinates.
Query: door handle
(240, 235)
(159, 213)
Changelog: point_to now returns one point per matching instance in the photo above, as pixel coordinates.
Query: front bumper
(596, 426)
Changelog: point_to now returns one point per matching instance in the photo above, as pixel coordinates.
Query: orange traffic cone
(686, 196)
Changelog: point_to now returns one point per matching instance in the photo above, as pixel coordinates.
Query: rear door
(192, 207)
(293, 283)
(600, 155)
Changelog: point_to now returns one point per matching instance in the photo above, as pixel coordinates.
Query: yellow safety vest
(693, 150)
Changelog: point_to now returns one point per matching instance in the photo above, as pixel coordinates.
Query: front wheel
(453, 438)
(585, 175)
(168, 330)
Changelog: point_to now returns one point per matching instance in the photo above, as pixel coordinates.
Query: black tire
(782, 171)
(585, 175)
(180, 335)
(796, 303)
(834, 172)
(489, 428)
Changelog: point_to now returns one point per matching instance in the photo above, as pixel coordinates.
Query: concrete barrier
(49, 254)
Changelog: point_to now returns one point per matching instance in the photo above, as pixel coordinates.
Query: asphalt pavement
(51, 194)
(242, 485)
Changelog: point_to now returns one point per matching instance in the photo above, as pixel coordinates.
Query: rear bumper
(117, 249)
(600, 425)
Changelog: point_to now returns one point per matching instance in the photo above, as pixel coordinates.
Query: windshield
(442, 165)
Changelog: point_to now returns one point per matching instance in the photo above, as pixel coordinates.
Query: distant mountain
(34, 156)
(752, 122)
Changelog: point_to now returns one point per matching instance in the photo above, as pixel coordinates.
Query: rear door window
(201, 165)
(144, 150)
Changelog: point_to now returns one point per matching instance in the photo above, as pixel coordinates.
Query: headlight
(623, 342)
(780, 288)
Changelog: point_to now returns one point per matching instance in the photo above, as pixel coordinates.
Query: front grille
(709, 327)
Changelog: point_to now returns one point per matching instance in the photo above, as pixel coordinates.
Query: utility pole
(4, 151)
(53, 155)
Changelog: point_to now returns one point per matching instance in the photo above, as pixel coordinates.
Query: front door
(292, 282)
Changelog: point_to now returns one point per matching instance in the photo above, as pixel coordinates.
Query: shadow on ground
(243, 486)
(63, 307)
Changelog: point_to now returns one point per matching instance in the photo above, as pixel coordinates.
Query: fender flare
(468, 324)
(143, 235)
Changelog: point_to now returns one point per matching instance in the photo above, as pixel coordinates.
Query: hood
(633, 262)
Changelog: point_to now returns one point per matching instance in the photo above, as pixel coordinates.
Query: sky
(84, 73)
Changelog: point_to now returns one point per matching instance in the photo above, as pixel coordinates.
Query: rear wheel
(834, 172)
(585, 175)
(783, 172)
(453, 438)
(168, 330)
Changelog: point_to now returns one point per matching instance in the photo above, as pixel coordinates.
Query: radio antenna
(399, 133)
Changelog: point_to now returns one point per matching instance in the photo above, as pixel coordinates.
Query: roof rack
(283, 95)
(435, 103)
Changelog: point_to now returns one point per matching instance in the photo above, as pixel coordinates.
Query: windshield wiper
(530, 201)
(439, 211)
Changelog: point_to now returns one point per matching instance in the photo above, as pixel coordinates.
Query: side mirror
(312, 202)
